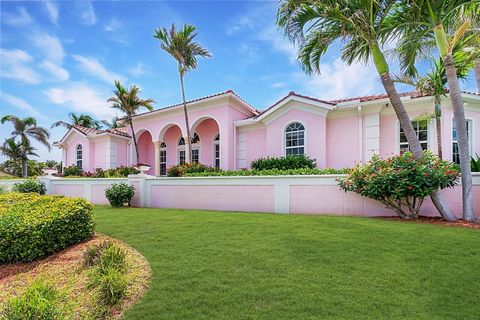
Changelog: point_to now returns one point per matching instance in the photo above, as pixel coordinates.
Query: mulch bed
(437, 221)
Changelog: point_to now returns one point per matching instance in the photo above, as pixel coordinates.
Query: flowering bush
(401, 182)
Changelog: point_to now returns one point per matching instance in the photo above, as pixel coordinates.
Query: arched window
(216, 151)
(295, 139)
(79, 157)
(163, 159)
(181, 150)
(195, 147)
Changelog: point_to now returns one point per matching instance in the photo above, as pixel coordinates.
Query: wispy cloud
(59, 73)
(50, 46)
(16, 64)
(22, 18)
(138, 70)
(80, 97)
(93, 67)
(52, 9)
(19, 104)
(86, 12)
(113, 25)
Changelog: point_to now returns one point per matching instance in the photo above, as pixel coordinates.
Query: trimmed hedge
(271, 172)
(284, 163)
(34, 226)
(30, 185)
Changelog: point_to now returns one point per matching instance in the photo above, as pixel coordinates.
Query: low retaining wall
(278, 194)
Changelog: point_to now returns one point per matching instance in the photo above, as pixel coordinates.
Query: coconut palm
(129, 103)
(361, 28)
(82, 119)
(180, 45)
(16, 152)
(423, 25)
(26, 129)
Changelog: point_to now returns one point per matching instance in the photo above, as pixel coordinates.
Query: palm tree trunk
(187, 125)
(460, 123)
(412, 139)
(477, 74)
(438, 124)
(24, 168)
(134, 140)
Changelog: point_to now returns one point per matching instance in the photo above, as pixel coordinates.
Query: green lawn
(216, 265)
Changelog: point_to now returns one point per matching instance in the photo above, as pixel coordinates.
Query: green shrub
(284, 163)
(38, 302)
(34, 226)
(112, 286)
(181, 170)
(105, 255)
(119, 194)
(271, 172)
(402, 182)
(30, 185)
(475, 164)
(72, 171)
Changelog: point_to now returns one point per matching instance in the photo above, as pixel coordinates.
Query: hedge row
(34, 226)
(271, 172)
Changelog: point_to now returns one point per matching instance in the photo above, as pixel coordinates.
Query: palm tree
(434, 83)
(83, 120)
(128, 102)
(180, 46)
(361, 28)
(26, 129)
(16, 152)
(423, 24)
(112, 124)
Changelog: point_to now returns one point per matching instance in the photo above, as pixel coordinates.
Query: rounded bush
(33, 226)
(29, 186)
(119, 194)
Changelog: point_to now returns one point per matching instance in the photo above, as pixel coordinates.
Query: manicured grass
(216, 265)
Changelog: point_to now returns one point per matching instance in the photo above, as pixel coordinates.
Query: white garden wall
(278, 194)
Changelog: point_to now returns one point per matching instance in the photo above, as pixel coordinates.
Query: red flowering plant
(401, 182)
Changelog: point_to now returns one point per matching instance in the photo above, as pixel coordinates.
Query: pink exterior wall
(70, 190)
(146, 150)
(98, 194)
(342, 142)
(122, 158)
(256, 144)
(72, 153)
(214, 197)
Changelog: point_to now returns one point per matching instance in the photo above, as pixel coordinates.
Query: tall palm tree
(82, 119)
(434, 83)
(112, 124)
(180, 45)
(17, 153)
(26, 129)
(129, 103)
(424, 24)
(361, 28)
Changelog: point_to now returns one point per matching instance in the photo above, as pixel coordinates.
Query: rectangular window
(294, 143)
(195, 155)
(163, 162)
(455, 154)
(181, 156)
(216, 155)
(421, 129)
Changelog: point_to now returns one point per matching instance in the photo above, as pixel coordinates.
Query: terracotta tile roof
(118, 131)
(199, 99)
(412, 94)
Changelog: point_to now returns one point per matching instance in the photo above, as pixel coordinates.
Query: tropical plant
(112, 124)
(422, 25)
(26, 129)
(361, 27)
(475, 164)
(129, 103)
(401, 182)
(180, 45)
(82, 119)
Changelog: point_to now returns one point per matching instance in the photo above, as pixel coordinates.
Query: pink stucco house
(229, 133)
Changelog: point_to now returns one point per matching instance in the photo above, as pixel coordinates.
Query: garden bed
(437, 221)
(65, 272)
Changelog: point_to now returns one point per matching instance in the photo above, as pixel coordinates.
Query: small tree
(401, 182)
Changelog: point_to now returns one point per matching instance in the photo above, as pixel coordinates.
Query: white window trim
(471, 140)
(193, 146)
(430, 134)
(284, 141)
(214, 143)
(76, 154)
(163, 149)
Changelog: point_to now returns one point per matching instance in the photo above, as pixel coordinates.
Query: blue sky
(61, 57)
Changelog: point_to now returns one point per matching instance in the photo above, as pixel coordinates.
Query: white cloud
(86, 12)
(94, 68)
(113, 25)
(51, 47)
(339, 80)
(80, 97)
(17, 20)
(52, 9)
(19, 104)
(279, 42)
(16, 64)
(60, 74)
(138, 70)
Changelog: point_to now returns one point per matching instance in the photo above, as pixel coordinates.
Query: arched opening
(170, 136)
(208, 147)
(146, 150)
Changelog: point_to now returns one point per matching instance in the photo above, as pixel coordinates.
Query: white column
(157, 145)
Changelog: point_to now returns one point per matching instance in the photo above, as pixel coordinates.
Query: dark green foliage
(29, 186)
(34, 226)
(284, 163)
(475, 164)
(271, 172)
(181, 170)
(38, 302)
(72, 171)
(401, 182)
(119, 194)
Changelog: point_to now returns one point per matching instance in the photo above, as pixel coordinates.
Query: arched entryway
(146, 150)
(208, 146)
